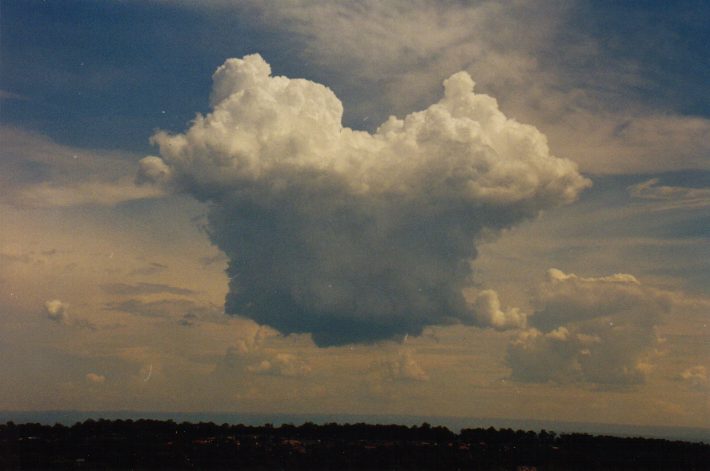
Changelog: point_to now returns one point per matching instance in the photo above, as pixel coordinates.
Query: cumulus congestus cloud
(344, 234)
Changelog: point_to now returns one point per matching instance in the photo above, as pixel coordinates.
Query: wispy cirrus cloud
(670, 197)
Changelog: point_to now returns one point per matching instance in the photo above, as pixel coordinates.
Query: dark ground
(153, 444)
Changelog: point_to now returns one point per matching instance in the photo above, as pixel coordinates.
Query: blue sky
(114, 264)
(79, 58)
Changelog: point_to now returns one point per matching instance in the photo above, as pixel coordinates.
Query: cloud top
(348, 235)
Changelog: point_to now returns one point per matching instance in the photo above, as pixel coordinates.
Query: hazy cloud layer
(599, 330)
(187, 312)
(125, 289)
(636, 141)
(409, 45)
(36, 172)
(696, 377)
(671, 197)
(351, 236)
(151, 268)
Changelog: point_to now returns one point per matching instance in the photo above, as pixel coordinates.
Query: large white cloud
(348, 235)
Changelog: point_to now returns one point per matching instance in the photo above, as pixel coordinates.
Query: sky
(462, 209)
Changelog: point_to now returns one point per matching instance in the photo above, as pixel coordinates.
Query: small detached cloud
(696, 377)
(385, 377)
(404, 367)
(56, 310)
(94, 378)
(249, 356)
(348, 235)
(598, 330)
(281, 364)
(152, 170)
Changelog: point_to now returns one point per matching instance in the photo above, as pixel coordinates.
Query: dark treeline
(151, 444)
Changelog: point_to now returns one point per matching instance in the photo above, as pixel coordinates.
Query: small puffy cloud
(281, 364)
(249, 356)
(56, 310)
(152, 170)
(404, 367)
(599, 329)
(487, 310)
(399, 368)
(347, 235)
(696, 377)
(94, 378)
(247, 347)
